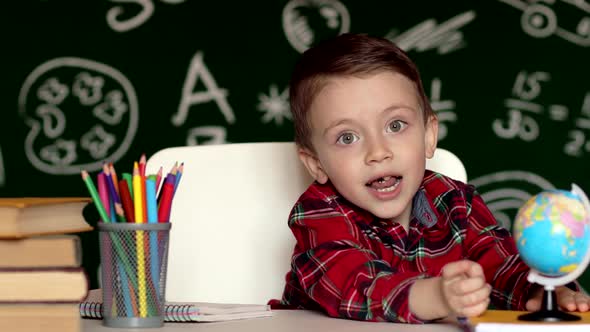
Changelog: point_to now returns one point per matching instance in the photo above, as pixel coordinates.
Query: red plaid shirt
(354, 265)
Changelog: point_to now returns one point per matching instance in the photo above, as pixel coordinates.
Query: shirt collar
(422, 209)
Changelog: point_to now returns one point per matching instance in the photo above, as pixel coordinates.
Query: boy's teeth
(390, 188)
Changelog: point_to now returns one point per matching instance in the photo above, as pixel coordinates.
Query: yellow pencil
(137, 197)
(138, 200)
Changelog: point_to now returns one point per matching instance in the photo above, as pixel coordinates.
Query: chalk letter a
(213, 92)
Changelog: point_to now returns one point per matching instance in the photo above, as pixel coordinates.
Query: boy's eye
(347, 138)
(396, 125)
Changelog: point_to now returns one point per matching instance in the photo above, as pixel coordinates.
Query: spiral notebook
(91, 307)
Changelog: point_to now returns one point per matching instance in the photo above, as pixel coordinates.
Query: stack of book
(41, 278)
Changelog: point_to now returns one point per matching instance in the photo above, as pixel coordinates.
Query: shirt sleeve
(493, 247)
(342, 276)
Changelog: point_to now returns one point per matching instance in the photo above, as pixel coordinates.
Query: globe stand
(549, 311)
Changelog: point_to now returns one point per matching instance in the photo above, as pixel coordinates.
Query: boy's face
(371, 142)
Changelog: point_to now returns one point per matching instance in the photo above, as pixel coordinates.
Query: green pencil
(92, 190)
(129, 179)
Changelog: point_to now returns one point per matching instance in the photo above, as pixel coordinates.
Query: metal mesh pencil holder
(133, 273)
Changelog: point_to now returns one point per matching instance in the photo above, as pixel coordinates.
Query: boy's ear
(431, 136)
(313, 165)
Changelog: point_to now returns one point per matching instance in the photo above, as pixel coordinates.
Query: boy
(378, 236)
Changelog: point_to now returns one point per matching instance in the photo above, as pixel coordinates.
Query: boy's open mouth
(384, 184)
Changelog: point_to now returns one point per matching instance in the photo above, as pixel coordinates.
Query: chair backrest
(447, 163)
(229, 240)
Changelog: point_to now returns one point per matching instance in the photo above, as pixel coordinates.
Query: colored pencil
(152, 217)
(126, 200)
(140, 251)
(95, 197)
(137, 197)
(158, 179)
(120, 212)
(143, 198)
(114, 177)
(129, 178)
(142, 162)
(150, 193)
(104, 196)
(166, 199)
(111, 184)
(178, 176)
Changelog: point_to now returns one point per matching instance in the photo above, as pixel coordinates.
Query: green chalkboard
(89, 81)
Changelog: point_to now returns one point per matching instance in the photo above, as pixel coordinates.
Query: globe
(552, 232)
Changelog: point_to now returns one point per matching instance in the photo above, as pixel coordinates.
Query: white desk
(283, 321)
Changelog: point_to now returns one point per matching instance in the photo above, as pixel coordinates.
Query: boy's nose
(378, 151)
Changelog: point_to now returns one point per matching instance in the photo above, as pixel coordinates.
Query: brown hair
(346, 55)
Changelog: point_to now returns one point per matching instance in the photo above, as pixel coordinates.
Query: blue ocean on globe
(552, 232)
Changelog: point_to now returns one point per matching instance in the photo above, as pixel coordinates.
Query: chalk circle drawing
(308, 21)
(506, 191)
(119, 24)
(80, 113)
(207, 135)
(539, 20)
(444, 37)
(275, 105)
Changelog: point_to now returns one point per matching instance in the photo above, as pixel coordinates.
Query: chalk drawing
(519, 122)
(53, 92)
(112, 110)
(307, 21)
(506, 191)
(88, 88)
(98, 142)
(99, 98)
(207, 135)
(53, 120)
(197, 69)
(61, 153)
(579, 137)
(114, 14)
(445, 37)
(442, 108)
(275, 105)
(540, 20)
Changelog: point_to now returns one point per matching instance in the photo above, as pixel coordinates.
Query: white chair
(229, 240)
(447, 163)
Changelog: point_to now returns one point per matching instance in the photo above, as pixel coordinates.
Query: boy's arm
(493, 247)
(426, 300)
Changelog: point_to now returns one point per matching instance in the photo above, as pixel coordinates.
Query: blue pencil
(125, 290)
(152, 218)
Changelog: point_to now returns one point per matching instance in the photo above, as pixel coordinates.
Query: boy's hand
(567, 299)
(464, 288)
